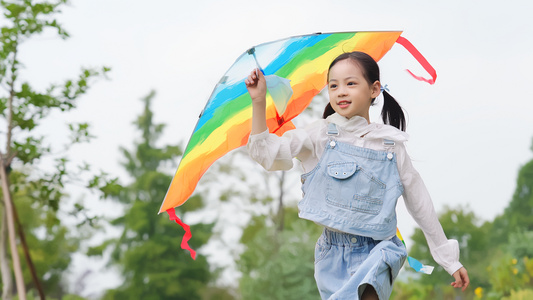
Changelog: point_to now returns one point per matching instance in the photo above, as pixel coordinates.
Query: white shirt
(308, 144)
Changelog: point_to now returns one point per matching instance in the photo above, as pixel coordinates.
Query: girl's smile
(344, 103)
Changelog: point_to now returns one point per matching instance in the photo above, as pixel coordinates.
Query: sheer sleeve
(276, 153)
(419, 204)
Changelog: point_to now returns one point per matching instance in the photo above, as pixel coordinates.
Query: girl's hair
(391, 112)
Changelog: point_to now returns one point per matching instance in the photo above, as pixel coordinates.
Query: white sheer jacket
(307, 144)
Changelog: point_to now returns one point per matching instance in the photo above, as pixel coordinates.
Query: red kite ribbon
(184, 242)
(421, 60)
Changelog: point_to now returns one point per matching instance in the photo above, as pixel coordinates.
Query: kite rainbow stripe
(225, 122)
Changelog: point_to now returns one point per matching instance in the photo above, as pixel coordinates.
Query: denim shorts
(345, 264)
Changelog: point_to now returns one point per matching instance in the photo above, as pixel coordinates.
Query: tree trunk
(281, 210)
(5, 271)
(27, 254)
(19, 279)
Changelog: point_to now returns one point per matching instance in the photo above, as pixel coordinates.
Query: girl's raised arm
(256, 85)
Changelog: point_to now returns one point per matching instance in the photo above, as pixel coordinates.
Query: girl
(355, 172)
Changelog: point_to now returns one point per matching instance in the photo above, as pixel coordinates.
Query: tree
(278, 262)
(497, 254)
(474, 239)
(49, 241)
(512, 269)
(148, 251)
(23, 110)
(517, 215)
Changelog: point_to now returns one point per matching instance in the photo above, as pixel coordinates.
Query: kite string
(184, 242)
(421, 60)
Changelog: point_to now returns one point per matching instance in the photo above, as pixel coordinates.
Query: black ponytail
(328, 110)
(392, 112)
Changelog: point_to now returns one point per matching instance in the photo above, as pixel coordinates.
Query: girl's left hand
(461, 279)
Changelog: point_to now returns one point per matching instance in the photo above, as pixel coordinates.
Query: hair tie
(385, 88)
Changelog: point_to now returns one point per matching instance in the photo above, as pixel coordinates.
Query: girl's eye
(351, 83)
(332, 86)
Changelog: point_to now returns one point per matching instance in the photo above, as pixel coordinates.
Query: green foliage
(148, 252)
(79, 133)
(496, 254)
(32, 296)
(30, 149)
(520, 244)
(37, 192)
(50, 242)
(23, 108)
(72, 297)
(512, 269)
(520, 295)
(411, 290)
(279, 264)
(474, 240)
(507, 274)
(517, 215)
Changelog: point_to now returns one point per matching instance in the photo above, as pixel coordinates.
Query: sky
(470, 132)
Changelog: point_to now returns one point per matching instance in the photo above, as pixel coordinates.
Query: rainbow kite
(225, 122)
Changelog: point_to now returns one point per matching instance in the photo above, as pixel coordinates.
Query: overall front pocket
(350, 187)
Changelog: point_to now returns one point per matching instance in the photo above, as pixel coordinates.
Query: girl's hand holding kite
(256, 85)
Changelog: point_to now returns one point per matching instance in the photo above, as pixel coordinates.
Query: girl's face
(349, 93)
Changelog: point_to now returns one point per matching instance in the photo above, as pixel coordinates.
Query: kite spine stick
(252, 52)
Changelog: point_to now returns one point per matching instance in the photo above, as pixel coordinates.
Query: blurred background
(99, 98)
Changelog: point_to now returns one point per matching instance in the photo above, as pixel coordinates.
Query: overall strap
(389, 146)
(332, 132)
(332, 129)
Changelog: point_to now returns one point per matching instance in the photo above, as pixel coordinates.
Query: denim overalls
(353, 193)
